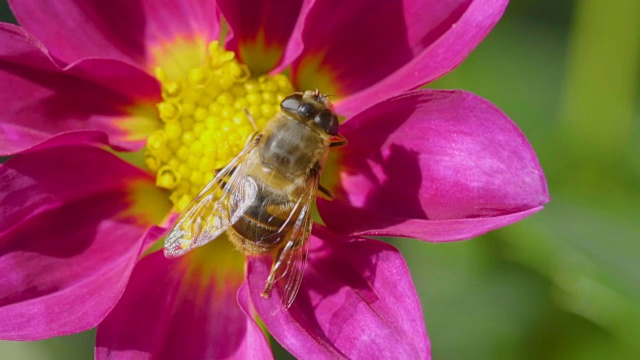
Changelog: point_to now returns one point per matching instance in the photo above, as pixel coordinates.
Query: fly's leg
(325, 193)
(251, 119)
(277, 264)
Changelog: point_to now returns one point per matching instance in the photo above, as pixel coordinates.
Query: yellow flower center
(206, 117)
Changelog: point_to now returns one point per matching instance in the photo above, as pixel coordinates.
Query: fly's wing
(220, 204)
(288, 268)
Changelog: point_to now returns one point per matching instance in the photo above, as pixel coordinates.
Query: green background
(565, 283)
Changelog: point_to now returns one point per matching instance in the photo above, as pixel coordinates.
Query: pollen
(207, 117)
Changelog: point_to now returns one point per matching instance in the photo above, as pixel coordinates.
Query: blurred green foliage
(565, 283)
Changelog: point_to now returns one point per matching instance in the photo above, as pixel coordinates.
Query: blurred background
(565, 283)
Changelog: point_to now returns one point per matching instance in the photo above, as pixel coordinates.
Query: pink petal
(295, 45)
(356, 301)
(434, 165)
(70, 233)
(119, 29)
(370, 53)
(260, 30)
(73, 138)
(255, 338)
(40, 99)
(169, 312)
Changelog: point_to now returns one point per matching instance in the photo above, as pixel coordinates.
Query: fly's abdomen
(263, 226)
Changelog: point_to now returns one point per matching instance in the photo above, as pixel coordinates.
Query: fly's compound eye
(328, 121)
(307, 111)
(291, 103)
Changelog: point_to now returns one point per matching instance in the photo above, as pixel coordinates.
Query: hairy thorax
(291, 148)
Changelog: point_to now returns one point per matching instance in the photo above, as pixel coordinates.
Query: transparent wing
(296, 260)
(288, 268)
(220, 204)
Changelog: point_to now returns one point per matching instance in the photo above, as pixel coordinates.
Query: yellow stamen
(205, 121)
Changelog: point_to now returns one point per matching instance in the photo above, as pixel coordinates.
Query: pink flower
(79, 226)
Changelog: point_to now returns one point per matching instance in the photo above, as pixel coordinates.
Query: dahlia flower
(115, 114)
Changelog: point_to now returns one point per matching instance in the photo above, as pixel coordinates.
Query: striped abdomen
(263, 226)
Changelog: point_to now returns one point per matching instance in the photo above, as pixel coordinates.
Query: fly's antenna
(320, 96)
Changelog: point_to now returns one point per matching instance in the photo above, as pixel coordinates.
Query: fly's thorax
(291, 148)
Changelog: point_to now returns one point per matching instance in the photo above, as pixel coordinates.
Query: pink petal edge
(118, 29)
(41, 99)
(167, 312)
(357, 300)
(62, 270)
(436, 166)
(270, 22)
(434, 52)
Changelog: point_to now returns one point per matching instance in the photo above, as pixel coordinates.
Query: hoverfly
(263, 197)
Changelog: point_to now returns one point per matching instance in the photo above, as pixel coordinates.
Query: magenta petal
(371, 53)
(434, 165)
(356, 301)
(295, 46)
(74, 138)
(118, 29)
(40, 100)
(259, 29)
(437, 50)
(254, 338)
(68, 239)
(166, 314)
